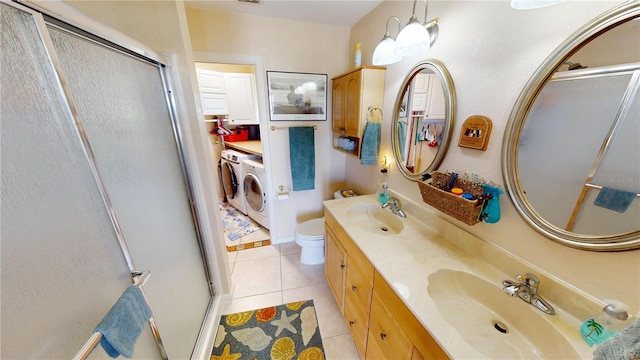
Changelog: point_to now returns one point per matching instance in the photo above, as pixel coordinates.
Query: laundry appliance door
(254, 193)
(229, 180)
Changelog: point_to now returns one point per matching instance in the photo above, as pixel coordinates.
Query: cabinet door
(335, 267)
(210, 81)
(241, 98)
(337, 102)
(352, 104)
(386, 339)
(214, 104)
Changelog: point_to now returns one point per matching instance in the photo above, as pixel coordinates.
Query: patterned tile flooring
(273, 275)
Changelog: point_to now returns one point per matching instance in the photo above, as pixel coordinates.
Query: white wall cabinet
(232, 94)
(241, 98)
(210, 81)
(214, 104)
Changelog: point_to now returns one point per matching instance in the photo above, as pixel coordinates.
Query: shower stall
(95, 187)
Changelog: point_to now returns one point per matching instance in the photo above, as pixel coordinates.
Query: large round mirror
(423, 119)
(570, 151)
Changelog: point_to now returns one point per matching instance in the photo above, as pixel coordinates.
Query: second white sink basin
(375, 219)
(494, 323)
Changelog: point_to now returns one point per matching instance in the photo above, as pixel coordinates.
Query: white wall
(491, 51)
(283, 45)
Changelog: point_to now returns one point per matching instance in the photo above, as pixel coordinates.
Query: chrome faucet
(394, 205)
(527, 289)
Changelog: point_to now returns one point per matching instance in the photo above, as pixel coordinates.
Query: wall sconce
(384, 165)
(533, 4)
(416, 37)
(385, 52)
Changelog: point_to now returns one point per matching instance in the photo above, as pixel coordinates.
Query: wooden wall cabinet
(351, 96)
(381, 325)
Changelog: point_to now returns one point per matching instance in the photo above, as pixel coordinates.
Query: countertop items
(426, 244)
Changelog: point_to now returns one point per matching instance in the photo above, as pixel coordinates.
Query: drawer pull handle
(383, 336)
(341, 266)
(351, 323)
(353, 288)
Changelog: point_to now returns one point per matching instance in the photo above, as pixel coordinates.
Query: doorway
(229, 99)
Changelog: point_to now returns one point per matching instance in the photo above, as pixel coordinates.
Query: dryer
(255, 191)
(232, 173)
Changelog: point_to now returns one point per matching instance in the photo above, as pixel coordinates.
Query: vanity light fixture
(385, 53)
(416, 37)
(533, 4)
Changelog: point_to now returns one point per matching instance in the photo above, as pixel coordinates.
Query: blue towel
(124, 323)
(401, 137)
(371, 144)
(613, 199)
(624, 345)
(302, 156)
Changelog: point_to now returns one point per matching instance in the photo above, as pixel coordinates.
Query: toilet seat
(311, 230)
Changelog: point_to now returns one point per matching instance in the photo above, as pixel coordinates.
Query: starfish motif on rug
(226, 354)
(285, 323)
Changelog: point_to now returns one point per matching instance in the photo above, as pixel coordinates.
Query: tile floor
(272, 275)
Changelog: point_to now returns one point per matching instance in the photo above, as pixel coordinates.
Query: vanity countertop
(250, 146)
(429, 243)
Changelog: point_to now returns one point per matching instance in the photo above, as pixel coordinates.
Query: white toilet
(310, 235)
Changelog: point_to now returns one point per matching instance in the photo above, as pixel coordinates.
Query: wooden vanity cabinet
(352, 94)
(353, 287)
(381, 325)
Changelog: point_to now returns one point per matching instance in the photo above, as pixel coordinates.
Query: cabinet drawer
(358, 287)
(356, 319)
(391, 342)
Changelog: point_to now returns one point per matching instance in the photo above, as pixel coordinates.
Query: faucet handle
(529, 279)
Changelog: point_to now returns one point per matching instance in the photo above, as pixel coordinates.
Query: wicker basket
(467, 211)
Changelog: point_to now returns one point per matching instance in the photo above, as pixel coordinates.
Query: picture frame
(297, 96)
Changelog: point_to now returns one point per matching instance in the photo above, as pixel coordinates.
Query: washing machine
(255, 186)
(232, 173)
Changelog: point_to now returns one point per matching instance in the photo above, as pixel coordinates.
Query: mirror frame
(437, 68)
(626, 241)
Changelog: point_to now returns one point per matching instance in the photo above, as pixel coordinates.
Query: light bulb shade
(385, 54)
(413, 39)
(533, 4)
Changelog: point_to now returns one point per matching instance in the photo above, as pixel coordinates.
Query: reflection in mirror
(570, 156)
(423, 119)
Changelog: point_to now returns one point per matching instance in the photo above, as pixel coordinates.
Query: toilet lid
(311, 228)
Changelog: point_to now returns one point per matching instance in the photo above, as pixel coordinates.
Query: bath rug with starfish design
(283, 332)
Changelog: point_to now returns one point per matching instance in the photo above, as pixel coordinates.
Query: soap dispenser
(383, 194)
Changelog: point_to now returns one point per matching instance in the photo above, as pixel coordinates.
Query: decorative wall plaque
(475, 132)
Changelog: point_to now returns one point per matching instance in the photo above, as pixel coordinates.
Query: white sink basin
(374, 218)
(478, 309)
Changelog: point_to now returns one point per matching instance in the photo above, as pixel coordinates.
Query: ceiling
(333, 12)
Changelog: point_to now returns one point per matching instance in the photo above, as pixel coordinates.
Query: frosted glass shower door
(62, 268)
(123, 108)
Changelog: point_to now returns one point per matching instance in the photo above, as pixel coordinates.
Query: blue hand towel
(624, 345)
(613, 199)
(371, 144)
(124, 323)
(302, 156)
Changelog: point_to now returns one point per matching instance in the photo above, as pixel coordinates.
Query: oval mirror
(423, 119)
(570, 150)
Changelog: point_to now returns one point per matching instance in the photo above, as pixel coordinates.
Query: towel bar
(274, 128)
(94, 339)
